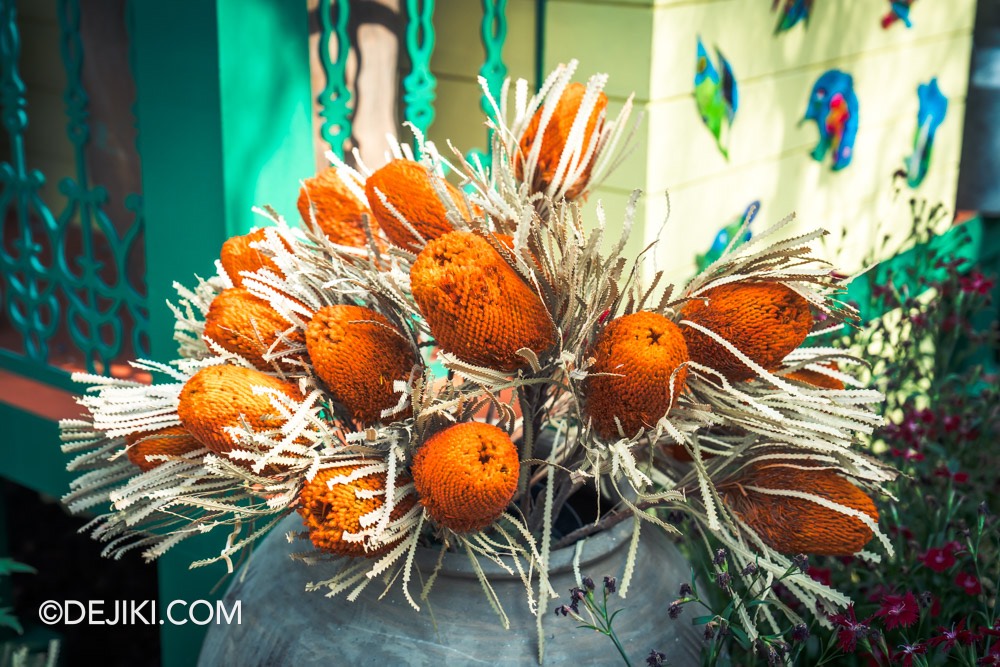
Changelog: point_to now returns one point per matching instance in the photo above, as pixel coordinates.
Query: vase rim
(594, 549)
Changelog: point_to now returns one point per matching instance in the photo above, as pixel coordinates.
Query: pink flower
(821, 574)
(849, 629)
(938, 560)
(899, 611)
(957, 634)
(968, 583)
(976, 283)
(906, 653)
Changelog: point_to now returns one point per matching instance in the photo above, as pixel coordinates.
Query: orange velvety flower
(816, 379)
(170, 441)
(634, 358)
(764, 321)
(246, 325)
(477, 306)
(466, 475)
(554, 139)
(238, 256)
(339, 213)
(216, 397)
(408, 187)
(358, 354)
(795, 525)
(330, 511)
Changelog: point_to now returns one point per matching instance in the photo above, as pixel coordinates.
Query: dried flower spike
(339, 212)
(358, 354)
(555, 137)
(330, 510)
(477, 306)
(247, 325)
(408, 187)
(216, 397)
(170, 441)
(816, 378)
(237, 255)
(765, 321)
(466, 475)
(793, 525)
(635, 357)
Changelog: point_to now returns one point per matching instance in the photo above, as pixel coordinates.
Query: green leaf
(10, 566)
(757, 603)
(8, 620)
(702, 620)
(740, 636)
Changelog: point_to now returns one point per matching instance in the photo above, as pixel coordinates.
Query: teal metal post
(224, 107)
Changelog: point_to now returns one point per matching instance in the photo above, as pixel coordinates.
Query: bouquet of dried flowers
(422, 364)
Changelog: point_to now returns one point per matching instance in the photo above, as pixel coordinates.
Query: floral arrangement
(425, 365)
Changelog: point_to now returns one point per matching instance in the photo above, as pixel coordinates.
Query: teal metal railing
(64, 273)
(419, 86)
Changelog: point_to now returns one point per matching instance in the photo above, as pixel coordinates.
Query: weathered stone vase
(284, 625)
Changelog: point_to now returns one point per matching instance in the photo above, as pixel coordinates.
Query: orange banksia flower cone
(635, 357)
(217, 396)
(555, 137)
(816, 378)
(796, 525)
(237, 256)
(171, 441)
(358, 354)
(477, 306)
(764, 321)
(329, 512)
(246, 325)
(466, 475)
(339, 213)
(408, 187)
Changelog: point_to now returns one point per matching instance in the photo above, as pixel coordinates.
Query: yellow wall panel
(459, 48)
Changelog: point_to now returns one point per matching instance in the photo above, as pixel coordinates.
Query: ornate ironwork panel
(71, 279)
(336, 96)
(420, 84)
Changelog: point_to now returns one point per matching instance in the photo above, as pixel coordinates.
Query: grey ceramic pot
(284, 625)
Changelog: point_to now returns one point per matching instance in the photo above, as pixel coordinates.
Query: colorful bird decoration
(716, 94)
(834, 107)
(899, 10)
(792, 12)
(726, 235)
(930, 115)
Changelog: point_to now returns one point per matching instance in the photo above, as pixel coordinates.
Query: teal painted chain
(494, 34)
(37, 272)
(336, 97)
(420, 83)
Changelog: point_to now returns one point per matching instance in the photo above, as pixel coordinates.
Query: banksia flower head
(238, 255)
(477, 306)
(817, 379)
(332, 509)
(247, 325)
(358, 354)
(466, 475)
(171, 441)
(793, 524)
(217, 397)
(764, 321)
(409, 189)
(549, 148)
(635, 360)
(339, 212)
